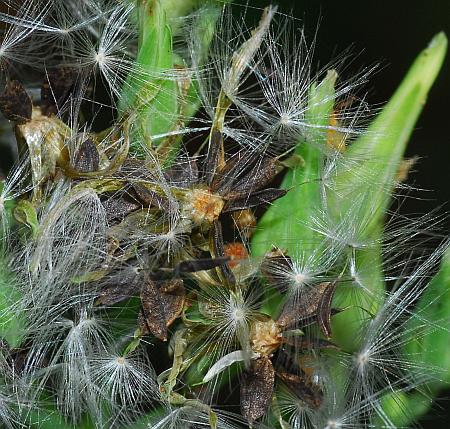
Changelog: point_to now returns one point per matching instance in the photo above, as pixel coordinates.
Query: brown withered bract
(259, 198)
(56, 89)
(314, 303)
(231, 185)
(15, 103)
(201, 264)
(116, 293)
(303, 388)
(160, 306)
(279, 259)
(324, 310)
(87, 158)
(260, 175)
(183, 173)
(257, 389)
(304, 307)
(150, 198)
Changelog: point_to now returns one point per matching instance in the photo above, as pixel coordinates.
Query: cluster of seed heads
(128, 219)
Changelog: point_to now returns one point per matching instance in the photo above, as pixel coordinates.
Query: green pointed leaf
(430, 346)
(375, 157)
(148, 91)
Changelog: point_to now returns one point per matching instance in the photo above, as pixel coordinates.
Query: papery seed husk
(153, 317)
(257, 389)
(87, 158)
(15, 103)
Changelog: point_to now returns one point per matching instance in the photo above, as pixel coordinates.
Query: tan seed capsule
(265, 337)
(204, 205)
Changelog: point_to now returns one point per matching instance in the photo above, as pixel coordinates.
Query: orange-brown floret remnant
(265, 337)
(204, 205)
(236, 251)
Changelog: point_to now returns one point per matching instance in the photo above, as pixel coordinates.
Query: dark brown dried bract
(324, 310)
(314, 305)
(194, 265)
(173, 297)
(279, 259)
(161, 306)
(257, 389)
(150, 198)
(15, 103)
(113, 294)
(303, 388)
(265, 196)
(87, 158)
(305, 307)
(183, 173)
(56, 89)
(262, 173)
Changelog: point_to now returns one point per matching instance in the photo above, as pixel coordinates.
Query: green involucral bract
(150, 93)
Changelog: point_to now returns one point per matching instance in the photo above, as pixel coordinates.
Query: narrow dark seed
(87, 158)
(262, 197)
(15, 103)
(219, 252)
(212, 157)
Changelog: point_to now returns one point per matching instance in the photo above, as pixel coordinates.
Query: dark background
(391, 34)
